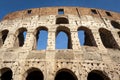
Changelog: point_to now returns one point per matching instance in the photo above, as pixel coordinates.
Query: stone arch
(62, 20)
(65, 74)
(66, 30)
(20, 37)
(3, 36)
(88, 36)
(34, 74)
(6, 74)
(108, 39)
(115, 24)
(97, 75)
(39, 36)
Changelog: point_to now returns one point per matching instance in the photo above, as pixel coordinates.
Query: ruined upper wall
(78, 11)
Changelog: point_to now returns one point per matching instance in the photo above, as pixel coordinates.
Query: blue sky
(8, 6)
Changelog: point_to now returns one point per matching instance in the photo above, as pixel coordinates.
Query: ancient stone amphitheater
(97, 59)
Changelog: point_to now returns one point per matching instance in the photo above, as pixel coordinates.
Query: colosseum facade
(97, 59)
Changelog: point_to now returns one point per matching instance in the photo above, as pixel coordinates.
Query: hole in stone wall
(6, 74)
(21, 36)
(29, 11)
(97, 75)
(93, 11)
(41, 38)
(108, 39)
(60, 11)
(63, 38)
(62, 20)
(108, 14)
(115, 24)
(34, 74)
(65, 74)
(86, 37)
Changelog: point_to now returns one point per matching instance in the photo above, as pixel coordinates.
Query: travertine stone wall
(80, 60)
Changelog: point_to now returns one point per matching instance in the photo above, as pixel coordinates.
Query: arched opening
(108, 39)
(65, 74)
(41, 38)
(62, 44)
(63, 38)
(97, 75)
(115, 24)
(4, 34)
(21, 36)
(6, 74)
(34, 74)
(62, 20)
(86, 37)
